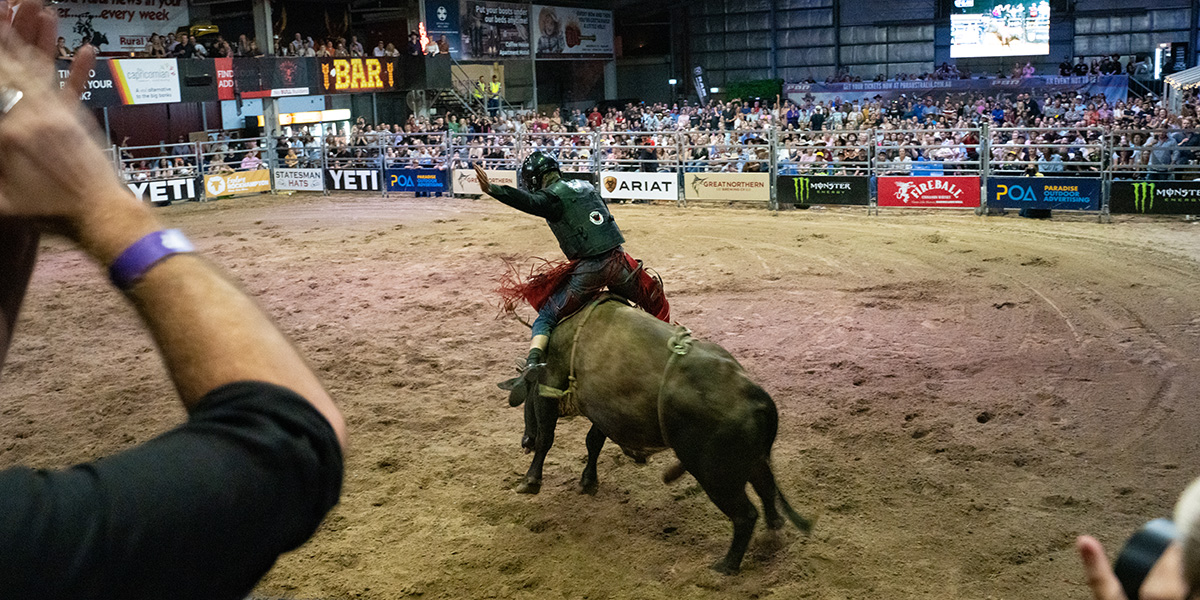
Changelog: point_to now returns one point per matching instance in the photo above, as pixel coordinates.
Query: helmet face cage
(534, 170)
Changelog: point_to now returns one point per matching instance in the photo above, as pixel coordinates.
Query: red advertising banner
(929, 192)
(224, 78)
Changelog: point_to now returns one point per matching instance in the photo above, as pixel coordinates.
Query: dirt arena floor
(959, 396)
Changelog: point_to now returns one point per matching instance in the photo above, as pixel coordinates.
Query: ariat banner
(353, 180)
(415, 180)
(1055, 193)
(1155, 197)
(465, 182)
(929, 192)
(299, 180)
(742, 187)
(232, 184)
(823, 189)
(625, 185)
(165, 191)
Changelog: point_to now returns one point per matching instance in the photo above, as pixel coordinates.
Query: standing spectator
(1081, 67)
(1064, 67)
(380, 51)
(414, 43)
(297, 45)
(356, 47)
(494, 96)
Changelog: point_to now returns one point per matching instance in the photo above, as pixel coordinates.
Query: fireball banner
(561, 32)
(929, 192)
(745, 187)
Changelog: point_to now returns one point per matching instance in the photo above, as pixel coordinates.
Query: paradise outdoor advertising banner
(494, 30)
(231, 184)
(1055, 193)
(561, 32)
(466, 183)
(929, 192)
(1155, 197)
(742, 187)
(823, 189)
(627, 185)
(415, 180)
(118, 25)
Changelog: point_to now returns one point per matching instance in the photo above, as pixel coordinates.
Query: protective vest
(586, 227)
(495, 88)
(479, 89)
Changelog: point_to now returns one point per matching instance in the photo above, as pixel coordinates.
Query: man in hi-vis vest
(494, 96)
(480, 92)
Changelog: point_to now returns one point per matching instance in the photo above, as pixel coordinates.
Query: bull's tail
(800, 522)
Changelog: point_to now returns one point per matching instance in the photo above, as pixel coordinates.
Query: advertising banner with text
(1155, 197)
(561, 32)
(118, 25)
(929, 192)
(232, 184)
(299, 180)
(165, 191)
(441, 21)
(1054, 193)
(465, 182)
(353, 75)
(494, 30)
(415, 180)
(823, 189)
(353, 180)
(740, 187)
(627, 185)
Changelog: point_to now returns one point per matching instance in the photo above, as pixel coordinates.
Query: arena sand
(959, 396)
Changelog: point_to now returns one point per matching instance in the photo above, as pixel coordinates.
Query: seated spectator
(380, 50)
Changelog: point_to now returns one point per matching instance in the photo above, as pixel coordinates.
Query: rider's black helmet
(535, 168)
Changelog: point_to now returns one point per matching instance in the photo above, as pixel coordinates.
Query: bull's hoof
(529, 487)
(589, 487)
(527, 443)
(723, 567)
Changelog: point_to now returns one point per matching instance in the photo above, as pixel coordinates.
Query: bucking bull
(649, 386)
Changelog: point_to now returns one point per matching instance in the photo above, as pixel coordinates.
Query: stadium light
(672, 81)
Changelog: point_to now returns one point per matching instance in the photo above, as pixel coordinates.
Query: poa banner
(744, 187)
(232, 184)
(1055, 193)
(823, 189)
(626, 185)
(466, 183)
(929, 192)
(1155, 197)
(415, 180)
(163, 192)
(299, 180)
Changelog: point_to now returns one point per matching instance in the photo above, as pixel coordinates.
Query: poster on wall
(494, 30)
(442, 26)
(561, 32)
(118, 26)
(130, 81)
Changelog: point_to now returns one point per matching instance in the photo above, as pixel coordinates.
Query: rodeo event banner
(560, 32)
(118, 26)
(823, 189)
(1055, 193)
(929, 192)
(1155, 197)
(494, 30)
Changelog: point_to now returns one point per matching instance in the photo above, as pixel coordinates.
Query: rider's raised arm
(540, 203)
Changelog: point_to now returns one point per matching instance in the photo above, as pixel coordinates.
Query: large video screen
(999, 28)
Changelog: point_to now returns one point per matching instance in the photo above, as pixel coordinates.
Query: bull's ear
(508, 384)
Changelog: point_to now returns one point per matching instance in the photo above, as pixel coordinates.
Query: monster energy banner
(1155, 197)
(823, 189)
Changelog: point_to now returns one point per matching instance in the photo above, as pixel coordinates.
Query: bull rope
(679, 345)
(566, 398)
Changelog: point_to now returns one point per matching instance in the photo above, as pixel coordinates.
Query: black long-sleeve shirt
(202, 511)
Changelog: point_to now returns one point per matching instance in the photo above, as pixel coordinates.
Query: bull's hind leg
(589, 482)
(763, 481)
(731, 498)
(545, 414)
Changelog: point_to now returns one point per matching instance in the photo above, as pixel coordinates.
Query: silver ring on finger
(9, 97)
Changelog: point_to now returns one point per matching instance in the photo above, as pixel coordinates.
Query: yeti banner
(118, 25)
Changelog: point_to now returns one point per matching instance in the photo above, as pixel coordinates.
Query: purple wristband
(137, 259)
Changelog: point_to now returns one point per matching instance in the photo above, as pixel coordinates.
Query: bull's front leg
(589, 482)
(545, 415)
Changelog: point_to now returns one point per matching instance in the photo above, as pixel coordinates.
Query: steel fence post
(985, 165)
(773, 148)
